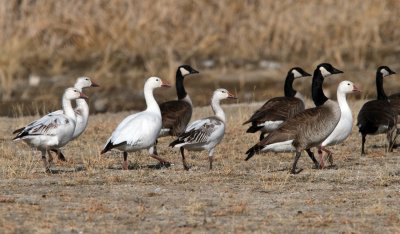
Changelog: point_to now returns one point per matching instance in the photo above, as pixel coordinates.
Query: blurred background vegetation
(244, 45)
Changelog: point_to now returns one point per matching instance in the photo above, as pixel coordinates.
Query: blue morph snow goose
(139, 131)
(277, 110)
(52, 131)
(378, 116)
(176, 114)
(307, 129)
(207, 133)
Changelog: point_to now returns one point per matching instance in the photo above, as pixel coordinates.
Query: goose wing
(279, 108)
(175, 116)
(200, 131)
(375, 113)
(307, 128)
(48, 125)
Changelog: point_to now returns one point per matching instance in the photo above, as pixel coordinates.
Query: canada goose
(378, 116)
(176, 114)
(307, 129)
(52, 131)
(207, 133)
(277, 110)
(140, 130)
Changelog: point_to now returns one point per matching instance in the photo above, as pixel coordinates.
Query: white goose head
(84, 82)
(348, 87)
(155, 82)
(73, 93)
(221, 94)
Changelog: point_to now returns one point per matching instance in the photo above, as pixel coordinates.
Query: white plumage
(81, 110)
(140, 130)
(54, 130)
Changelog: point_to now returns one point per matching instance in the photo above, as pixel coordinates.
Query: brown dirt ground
(91, 194)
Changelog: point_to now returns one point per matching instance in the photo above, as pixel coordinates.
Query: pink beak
(82, 95)
(231, 96)
(164, 84)
(356, 89)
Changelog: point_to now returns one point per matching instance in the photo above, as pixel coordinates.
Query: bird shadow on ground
(67, 170)
(136, 166)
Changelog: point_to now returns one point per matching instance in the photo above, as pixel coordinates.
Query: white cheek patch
(184, 72)
(296, 74)
(324, 72)
(384, 72)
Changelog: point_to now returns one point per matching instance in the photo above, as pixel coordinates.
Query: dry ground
(361, 195)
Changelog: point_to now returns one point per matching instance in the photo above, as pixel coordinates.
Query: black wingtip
(253, 129)
(252, 151)
(108, 147)
(18, 130)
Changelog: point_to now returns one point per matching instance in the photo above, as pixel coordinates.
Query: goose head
(185, 70)
(298, 72)
(74, 93)
(385, 71)
(327, 69)
(155, 82)
(84, 82)
(221, 94)
(348, 87)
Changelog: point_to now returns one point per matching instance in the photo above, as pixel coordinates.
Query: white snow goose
(81, 111)
(277, 110)
(207, 133)
(307, 129)
(176, 114)
(378, 116)
(139, 131)
(52, 131)
(343, 128)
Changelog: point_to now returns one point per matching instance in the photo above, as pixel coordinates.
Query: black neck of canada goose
(318, 95)
(379, 86)
(180, 89)
(288, 89)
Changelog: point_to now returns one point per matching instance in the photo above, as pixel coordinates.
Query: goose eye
(348, 83)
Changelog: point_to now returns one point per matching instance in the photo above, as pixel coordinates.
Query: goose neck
(151, 102)
(180, 88)
(379, 87)
(341, 98)
(288, 89)
(218, 111)
(318, 95)
(81, 104)
(67, 107)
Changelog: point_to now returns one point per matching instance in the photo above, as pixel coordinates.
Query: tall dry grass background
(122, 41)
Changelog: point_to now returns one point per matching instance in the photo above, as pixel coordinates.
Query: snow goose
(176, 114)
(378, 116)
(140, 130)
(307, 129)
(207, 133)
(52, 131)
(277, 110)
(81, 111)
(343, 128)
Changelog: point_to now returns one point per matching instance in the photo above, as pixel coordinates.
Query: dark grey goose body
(277, 110)
(307, 129)
(378, 116)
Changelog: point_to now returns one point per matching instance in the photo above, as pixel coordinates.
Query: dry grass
(360, 196)
(122, 41)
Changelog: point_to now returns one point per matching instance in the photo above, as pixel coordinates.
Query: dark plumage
(277, 110)
(378, 116)
(176, 114)
(306, 129)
